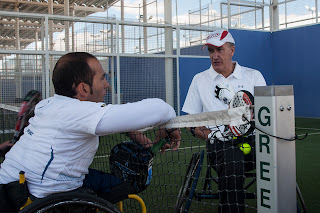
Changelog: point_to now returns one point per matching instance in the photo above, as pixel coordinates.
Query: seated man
(61, 140)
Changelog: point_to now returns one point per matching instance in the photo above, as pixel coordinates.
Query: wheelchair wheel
(183, 192)
(301, 207)
(70, 202)
(190, 183)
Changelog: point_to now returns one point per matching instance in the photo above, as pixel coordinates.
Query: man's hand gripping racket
(167, 139)
(132, 162)
(224, 93)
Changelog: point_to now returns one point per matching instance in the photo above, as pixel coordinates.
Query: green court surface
(169, 172)
(307, 161)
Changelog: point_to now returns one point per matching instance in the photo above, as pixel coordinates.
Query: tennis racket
(25, 113)
(132, 163)
(242, 98)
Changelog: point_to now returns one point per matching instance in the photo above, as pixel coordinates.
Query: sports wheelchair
(77, 202)
(80, 200)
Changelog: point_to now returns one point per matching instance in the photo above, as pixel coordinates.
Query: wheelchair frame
(187, 190)
(85, 201)
(69, 200)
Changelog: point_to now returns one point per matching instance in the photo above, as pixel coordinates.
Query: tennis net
(181, 180)
(8, 116)
(186, 180)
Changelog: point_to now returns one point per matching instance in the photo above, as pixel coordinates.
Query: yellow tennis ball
(245, 148)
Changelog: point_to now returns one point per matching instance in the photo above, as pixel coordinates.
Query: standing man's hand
(224, 94)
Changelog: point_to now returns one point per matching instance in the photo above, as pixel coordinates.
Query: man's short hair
(71, 70)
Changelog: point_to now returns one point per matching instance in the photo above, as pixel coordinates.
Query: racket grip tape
(155, 148)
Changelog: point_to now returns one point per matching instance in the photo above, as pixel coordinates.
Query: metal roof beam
(23, 25)
(21, 39)
(20, 23)
(56, 28)
(44, 4)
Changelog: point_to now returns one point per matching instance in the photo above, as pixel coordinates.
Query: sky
(296, 10)
(181, 9)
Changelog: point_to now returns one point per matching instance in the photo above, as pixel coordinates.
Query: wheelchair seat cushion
(13, 196)
(118, 193)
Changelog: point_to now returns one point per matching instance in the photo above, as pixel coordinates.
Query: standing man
(211, 90)
(61, 140)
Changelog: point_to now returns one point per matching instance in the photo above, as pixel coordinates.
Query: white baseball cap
(218, 38)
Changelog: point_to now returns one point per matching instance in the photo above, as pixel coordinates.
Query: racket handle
(15, 137)
(155, 148)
